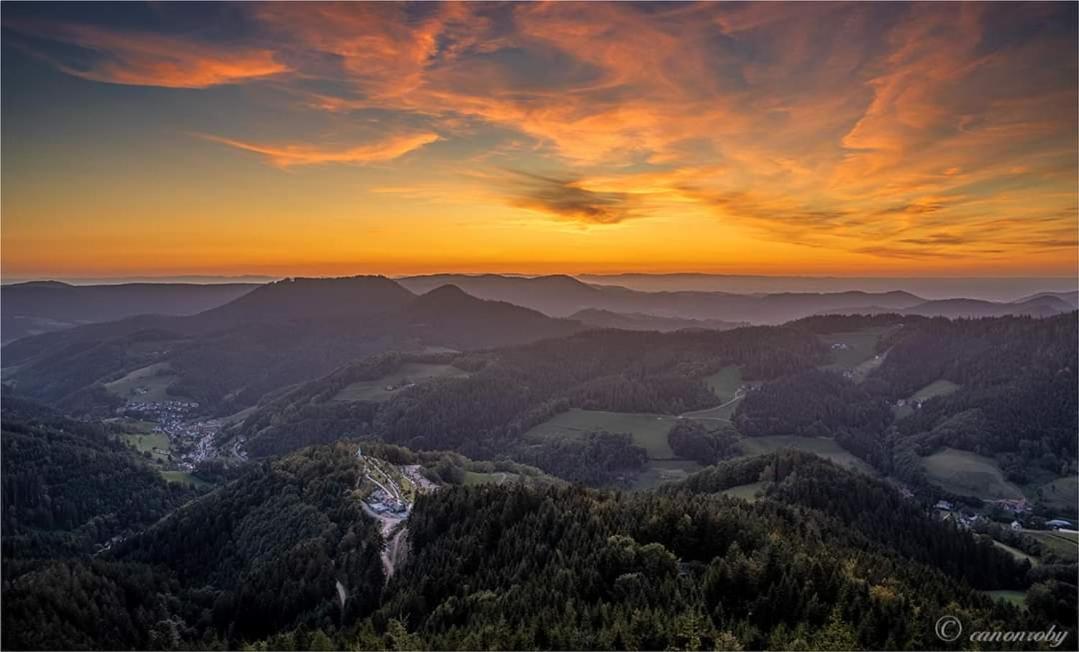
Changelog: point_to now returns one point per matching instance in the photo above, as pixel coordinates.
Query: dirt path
(394, 533)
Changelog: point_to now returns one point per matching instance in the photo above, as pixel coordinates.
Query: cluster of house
(194, 439)
(944, 510)
(1013, 505)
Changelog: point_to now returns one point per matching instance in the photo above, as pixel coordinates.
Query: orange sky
(284, 139)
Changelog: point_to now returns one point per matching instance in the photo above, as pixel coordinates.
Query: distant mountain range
(562, 296)
(636, 321)
(1045, 304)
(988, 289)
(276, 335)
(43, 306)
(40, 307)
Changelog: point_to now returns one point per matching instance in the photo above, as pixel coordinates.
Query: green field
(1064, 544)
(746, 492)
(1060, 495)
(410, 372)
(663, 471)
(1015, 552)
(932, 390)
(649, 431)
(1018, 598)
(156, 443)
(969, 474)
(497, 477)
(852, 348)
(827, 448)
(725, 383)
(855, 352)
(149, 383)
(183, 477)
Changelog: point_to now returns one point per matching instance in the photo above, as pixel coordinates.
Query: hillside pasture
(824, 447)
(1060, 495)
(725, 383)
(473, 478)
(649, 431)
(747, 492)
(183, 477)
(932, 390)
(386, 387)
(968, 474)
(1017, 598)
(1064, 544)
(659, 472)
(155, 443)
(149, 384)
(855, 352)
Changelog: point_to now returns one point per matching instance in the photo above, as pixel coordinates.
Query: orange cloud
(154, 60)
(289, 155)
(889, 130)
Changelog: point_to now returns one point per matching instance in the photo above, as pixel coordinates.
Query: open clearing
(660, 472)
(827, 448)
(725, 383)
(1064, 544)
(384, 388)
(1060, 495)
(1015, 552)
(183, 477)
(747, 492)
(968, 474)
(156, 443)
(1018, 598)
(497, 477)
(649, 431)
(856, 352)
(150, 383)
(932, 390)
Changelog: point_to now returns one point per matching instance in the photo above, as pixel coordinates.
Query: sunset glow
(295, 138)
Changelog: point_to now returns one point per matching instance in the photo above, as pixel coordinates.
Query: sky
(854, 139)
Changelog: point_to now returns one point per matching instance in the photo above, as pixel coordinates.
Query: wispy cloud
(303, 154)
(887, 130)
(147, 59)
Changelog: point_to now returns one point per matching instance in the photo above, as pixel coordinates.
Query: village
(191, 440)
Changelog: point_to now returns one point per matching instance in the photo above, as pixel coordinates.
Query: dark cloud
(565, 198)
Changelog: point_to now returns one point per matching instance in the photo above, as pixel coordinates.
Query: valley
(375, 463)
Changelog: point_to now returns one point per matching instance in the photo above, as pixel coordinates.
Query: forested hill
(69, 487)
(523, 568)
(282, 333)
(40, 307)
(530, 565)
(1009, 388)
(484, 407)
(1012, 387)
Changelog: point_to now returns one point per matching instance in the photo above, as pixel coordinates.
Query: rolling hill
(40, 307)
(641, 322)
(562, 296)
(281, 333)
(1042, 305)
